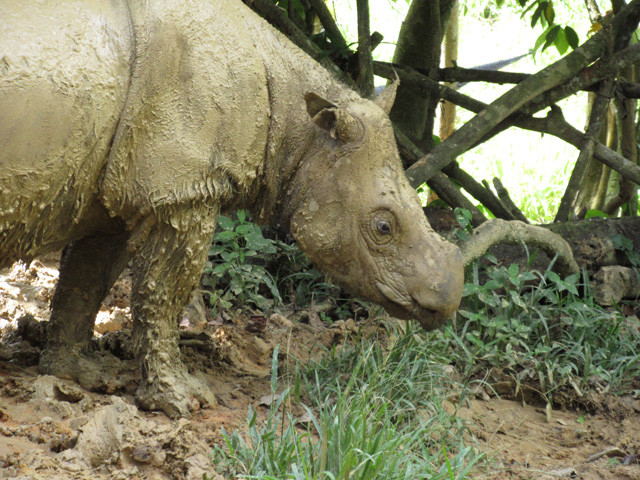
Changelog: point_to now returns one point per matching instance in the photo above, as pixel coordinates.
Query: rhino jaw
(430, 316)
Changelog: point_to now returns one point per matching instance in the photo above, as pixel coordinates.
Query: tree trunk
(418, 46)
(448, 109)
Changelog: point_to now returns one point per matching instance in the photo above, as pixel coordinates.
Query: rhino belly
(64, 75)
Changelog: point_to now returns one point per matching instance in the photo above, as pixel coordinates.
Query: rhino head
(353, 212)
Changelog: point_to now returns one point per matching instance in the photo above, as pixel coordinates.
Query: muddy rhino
(127, 127)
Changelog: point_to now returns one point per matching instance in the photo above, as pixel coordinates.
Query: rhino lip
(409, 308)
(428, 318)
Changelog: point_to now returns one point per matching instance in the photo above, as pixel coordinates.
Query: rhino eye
(384, 227)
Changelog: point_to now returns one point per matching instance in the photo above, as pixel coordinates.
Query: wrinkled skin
(130, 127)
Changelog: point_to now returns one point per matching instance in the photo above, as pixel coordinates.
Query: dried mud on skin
(53, 429)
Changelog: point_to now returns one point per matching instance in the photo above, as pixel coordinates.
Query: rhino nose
(438, 300)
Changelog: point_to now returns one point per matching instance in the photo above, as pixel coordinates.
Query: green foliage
(536, 327)
(463, 216)
(544, 13)
(248, 270)
(235, 272)
(382, 420)
(625, 245)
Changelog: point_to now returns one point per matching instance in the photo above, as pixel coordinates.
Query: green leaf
(621, 242)
(242, 215)
(594, 212)
(536, 15)
(225, 236)
(220, 269)
(561, 42)
(551, 36)
(513, 270)
(226, 223)
(540, 40)
(549, 12)
(572, 37)
(229, 256)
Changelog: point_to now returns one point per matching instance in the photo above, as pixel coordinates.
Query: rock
(350, 325)
(281, 320)
(198, 467)
(148, 454)
(112, 321)
(101, 438)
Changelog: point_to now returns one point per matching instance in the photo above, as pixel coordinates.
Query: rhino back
(64, 73)
(194, 130)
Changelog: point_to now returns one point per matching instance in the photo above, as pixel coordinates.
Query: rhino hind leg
(88, 269)
(166, 268)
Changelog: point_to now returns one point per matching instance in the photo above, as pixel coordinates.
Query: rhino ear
(387, 97)
(338, 122)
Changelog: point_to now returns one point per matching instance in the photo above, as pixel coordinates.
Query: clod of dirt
(102, 437)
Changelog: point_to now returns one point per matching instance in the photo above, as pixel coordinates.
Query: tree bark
(418, 45)
(365, 66)
(448, 109)
(577, 179)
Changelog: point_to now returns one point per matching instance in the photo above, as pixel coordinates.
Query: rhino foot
(177, 394)
(94, 371)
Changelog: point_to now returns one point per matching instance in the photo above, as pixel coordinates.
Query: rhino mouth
(407, 309)
(428, 318)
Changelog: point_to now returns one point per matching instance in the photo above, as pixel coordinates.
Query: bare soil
(51, 428)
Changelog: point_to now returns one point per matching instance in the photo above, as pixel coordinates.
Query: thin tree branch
(278, 18)
(439, 183)
(505, 198)
(365, 66)
(460, 74)
(553, 124)
(329, 24)
(480, 192)
(594, 11)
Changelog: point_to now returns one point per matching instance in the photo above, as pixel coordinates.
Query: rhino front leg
(88, 269)
(167, 267)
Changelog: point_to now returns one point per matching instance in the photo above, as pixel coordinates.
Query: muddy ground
(53, 429)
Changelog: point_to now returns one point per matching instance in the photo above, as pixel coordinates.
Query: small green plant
(463, 216)
(236, 272)
(545, 329)
(383, 419)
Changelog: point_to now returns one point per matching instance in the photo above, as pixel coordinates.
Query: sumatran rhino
(126, 127)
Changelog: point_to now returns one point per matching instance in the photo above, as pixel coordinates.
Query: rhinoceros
(128, 126)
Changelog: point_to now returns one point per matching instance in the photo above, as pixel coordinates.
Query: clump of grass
(372, 415)
(539, 327)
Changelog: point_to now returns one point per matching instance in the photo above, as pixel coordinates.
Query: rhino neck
(292, 136)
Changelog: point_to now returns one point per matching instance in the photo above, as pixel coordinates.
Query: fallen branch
(497, 231)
